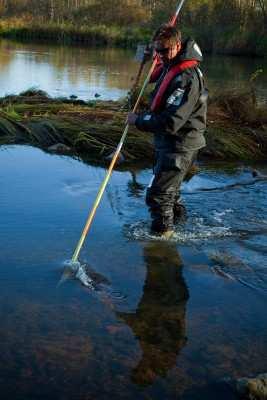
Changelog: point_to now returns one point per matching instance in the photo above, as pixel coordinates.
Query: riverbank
(127, 36)
(237, 128)
(96, 35)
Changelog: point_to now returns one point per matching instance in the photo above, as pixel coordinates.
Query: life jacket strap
(175, 70)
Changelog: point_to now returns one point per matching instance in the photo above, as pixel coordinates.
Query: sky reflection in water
(81, 71)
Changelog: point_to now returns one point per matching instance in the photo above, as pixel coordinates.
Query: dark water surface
(170, 320)
(81, 71)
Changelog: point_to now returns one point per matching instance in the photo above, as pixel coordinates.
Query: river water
(165, 320)
(83, 72)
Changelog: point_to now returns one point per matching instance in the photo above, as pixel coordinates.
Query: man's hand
(132, 117)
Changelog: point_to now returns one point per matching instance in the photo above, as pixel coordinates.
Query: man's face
(167, 50)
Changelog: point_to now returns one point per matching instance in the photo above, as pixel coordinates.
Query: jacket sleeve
(179, 106)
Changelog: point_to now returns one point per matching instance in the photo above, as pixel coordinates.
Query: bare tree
(262, 4)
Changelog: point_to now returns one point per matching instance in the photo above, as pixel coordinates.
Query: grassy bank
(237, 128)
(69, 33)
(231, 43)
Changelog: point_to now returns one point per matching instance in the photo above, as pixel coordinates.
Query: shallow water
(169, 319)
(109, 72)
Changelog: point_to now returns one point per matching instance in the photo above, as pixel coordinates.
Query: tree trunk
(52, 10)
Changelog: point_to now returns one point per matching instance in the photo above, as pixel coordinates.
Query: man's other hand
(131, 118)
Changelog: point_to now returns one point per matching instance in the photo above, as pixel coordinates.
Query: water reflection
(67, 343)
(135, 189)
(67, 70)
(159, 321)
(64, 70)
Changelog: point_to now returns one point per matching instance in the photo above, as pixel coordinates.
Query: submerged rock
(252, 388)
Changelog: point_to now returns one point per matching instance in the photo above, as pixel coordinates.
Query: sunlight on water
(105, 72)
(197, 231)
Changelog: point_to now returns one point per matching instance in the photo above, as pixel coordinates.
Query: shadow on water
(159, 320)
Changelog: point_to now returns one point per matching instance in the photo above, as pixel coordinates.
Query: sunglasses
(163, 50)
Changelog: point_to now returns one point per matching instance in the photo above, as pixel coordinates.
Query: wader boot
(179, 212)
(162, 196)
(166, 235)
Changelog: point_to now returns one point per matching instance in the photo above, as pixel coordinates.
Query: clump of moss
(33, 92)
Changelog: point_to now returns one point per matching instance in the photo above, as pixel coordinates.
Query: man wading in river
(177, 118)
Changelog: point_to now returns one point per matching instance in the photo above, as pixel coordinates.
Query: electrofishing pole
(118, 149)
(172, 22)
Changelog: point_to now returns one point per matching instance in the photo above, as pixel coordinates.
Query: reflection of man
(159, 321)
(177, 118)
(134, 187)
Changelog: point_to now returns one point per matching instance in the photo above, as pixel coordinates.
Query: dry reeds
(241, 107)
(236, 127)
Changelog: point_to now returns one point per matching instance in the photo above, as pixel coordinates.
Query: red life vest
(175, 70)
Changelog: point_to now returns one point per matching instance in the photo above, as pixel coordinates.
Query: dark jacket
(180, 122)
